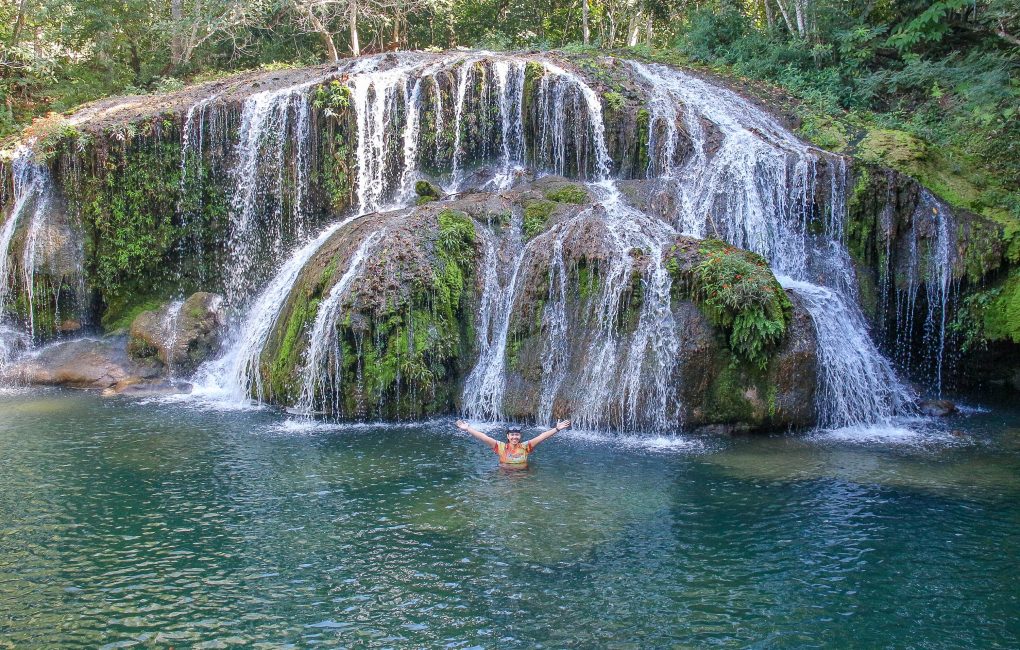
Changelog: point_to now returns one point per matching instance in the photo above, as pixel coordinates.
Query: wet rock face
(82, 363)
(180, 335)
(408, 329)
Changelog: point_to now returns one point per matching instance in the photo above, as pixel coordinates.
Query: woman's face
(513, 437)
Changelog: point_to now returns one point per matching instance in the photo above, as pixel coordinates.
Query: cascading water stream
(323, 359)
(267, 119)
(856, 386)
(169, 331)
(510, 87)
(756, 191)
(33, 189)
(236, 375)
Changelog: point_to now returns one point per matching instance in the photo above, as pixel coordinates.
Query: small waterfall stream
(270, 121)
(323, 360)
(235, 375)
(33, 194)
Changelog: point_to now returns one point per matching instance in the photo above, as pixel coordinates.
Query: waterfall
(323, 358)
(745, 179)
(33, 189)
(269, 120)
(559, 92)
(168, 331)
(856, 384)
(463, 76)
(486, 384)
(756, 191)
(510, 87)
(930, 257)
(236, 374)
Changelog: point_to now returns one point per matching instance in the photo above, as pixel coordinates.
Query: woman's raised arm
(464, 426)
(560, 426)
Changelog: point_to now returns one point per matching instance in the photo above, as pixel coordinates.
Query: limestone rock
(81, 363)
(181, 334)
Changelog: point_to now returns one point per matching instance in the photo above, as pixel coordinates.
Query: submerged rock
(936, 407)
(136, 387)
(180, 335)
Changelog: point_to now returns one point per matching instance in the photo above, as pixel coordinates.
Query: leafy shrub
(738, 293)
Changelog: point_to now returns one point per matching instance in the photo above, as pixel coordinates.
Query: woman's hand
(462, 425)
(562, 424)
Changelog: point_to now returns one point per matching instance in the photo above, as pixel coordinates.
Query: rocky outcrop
(408, 286)
(180, 335)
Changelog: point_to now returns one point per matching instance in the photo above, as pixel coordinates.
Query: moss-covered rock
(736, 290)
(404, 324)
(180, 334)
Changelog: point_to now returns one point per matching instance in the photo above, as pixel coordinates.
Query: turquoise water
(125, 523)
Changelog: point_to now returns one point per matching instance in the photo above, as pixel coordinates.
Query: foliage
(990, 315)
(738, 293)
(426, 191)
(333, 98)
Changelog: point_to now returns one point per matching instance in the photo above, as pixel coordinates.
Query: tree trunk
(611, 14)
(355, 45)
(585, 30)
(632, 29)
(801, 10)
(770, 16)
(178, 48)
(20, 23)
(649, 33)
(327, 38)
(786, 17)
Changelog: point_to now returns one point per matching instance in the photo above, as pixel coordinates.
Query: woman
(513, 453)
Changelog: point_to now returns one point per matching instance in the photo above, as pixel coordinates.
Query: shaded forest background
(934, 73)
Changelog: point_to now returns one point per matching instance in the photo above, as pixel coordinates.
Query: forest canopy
(944, 71)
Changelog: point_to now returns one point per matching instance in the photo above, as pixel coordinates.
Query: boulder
(936, 408)
(81, 363)
(180, 335)
(137, 387)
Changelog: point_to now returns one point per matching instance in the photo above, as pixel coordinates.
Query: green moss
(282, 378)
(1002, 314)
(588, 280)
(726, 400)
(824, 131)
(533, 73)
(426, 192)
(569, 193)
(942, 174)
(643, 122)
(614, 101)
(536, 214)
(122, 311)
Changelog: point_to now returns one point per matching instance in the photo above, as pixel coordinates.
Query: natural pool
(153, 524)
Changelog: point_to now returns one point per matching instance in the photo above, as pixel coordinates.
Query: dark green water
(157, 525)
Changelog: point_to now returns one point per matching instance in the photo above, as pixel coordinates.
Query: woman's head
(513, 434)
